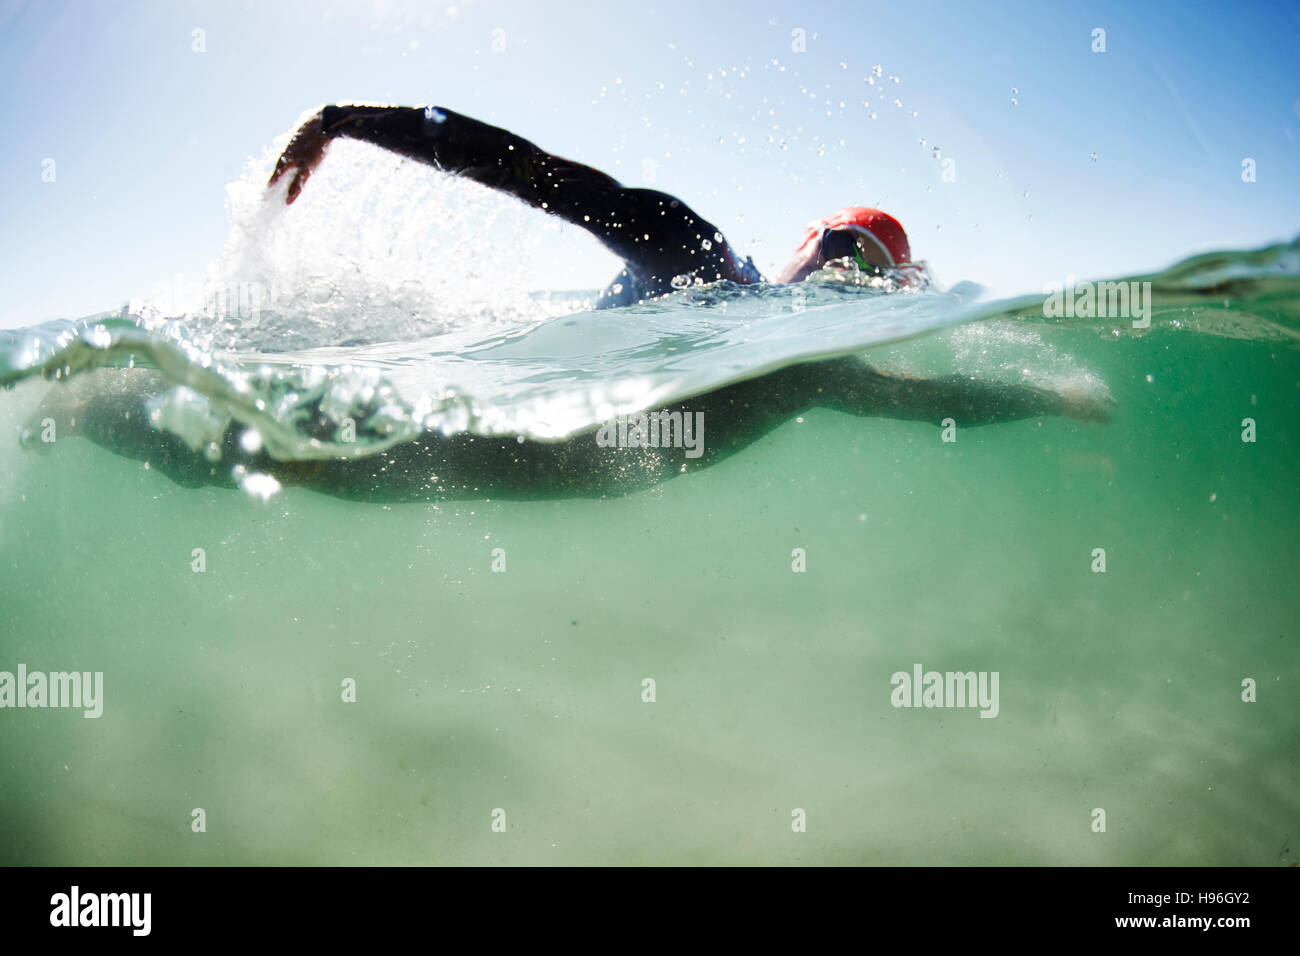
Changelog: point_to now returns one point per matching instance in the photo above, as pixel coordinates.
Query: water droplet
(1093, 157)
(706, 244)
(935, 152)
(877, 70)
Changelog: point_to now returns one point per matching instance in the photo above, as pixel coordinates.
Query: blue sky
(145, 132)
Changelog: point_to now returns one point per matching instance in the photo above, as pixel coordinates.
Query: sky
(1014, 148)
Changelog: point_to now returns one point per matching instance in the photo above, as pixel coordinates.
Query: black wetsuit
(657, 236)
(435, 466)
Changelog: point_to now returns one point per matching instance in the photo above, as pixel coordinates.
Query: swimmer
(659, 238)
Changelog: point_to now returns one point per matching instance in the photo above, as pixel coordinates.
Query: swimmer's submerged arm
(652, 231)
(852, 386)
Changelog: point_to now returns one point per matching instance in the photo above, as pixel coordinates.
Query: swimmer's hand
(302, 155)
(1087, 406)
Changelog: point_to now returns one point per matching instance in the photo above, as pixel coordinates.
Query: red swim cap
(869, 224)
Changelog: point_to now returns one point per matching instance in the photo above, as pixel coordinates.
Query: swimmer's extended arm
(652, 231)
(852, 386)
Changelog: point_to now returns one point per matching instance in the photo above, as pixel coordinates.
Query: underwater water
(688, 668)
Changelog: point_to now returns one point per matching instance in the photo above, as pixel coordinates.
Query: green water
(522, 690)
